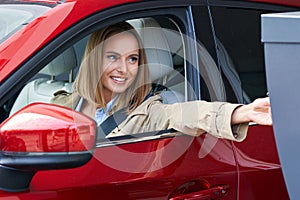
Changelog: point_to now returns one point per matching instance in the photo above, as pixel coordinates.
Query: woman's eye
(133, 60)
(112, 57)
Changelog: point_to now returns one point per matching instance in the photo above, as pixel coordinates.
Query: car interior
(164, 65)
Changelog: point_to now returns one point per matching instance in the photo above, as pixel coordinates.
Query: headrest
(157, 50)
(62, 63)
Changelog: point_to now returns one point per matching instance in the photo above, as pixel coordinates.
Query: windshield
(14, 16)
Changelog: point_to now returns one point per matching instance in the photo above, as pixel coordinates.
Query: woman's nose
(122, 67)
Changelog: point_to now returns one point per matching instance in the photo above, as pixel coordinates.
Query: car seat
(159, 55)
(42, 89)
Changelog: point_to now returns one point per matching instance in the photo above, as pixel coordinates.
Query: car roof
(56, 2)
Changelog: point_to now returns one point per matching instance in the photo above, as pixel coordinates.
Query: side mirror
(42, 137)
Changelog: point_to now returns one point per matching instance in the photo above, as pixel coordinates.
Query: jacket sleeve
(197, 117)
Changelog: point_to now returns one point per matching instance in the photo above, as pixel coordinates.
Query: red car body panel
(100, 177)
(258, 162)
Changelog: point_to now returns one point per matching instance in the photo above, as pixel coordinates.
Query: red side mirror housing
(43, 136)
(43, 127)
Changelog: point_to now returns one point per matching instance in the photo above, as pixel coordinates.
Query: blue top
(101, 114)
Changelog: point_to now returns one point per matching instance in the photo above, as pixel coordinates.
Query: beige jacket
(193, 118)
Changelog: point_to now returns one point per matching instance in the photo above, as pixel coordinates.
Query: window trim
(139, 137)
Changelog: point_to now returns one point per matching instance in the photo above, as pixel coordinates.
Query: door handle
(207, 194)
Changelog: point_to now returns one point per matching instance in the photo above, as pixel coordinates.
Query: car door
(240, 53)
(154, 165)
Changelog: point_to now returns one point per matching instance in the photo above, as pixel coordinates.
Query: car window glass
(241, 52)
(212, 85)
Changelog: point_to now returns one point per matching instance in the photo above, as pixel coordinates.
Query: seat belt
(110, 123)
(114, 120)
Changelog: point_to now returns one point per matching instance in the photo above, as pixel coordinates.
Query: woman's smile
(120, 80)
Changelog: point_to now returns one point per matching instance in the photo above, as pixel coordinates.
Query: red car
(205, 49)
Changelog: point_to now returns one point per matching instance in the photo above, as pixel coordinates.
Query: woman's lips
(118, 79)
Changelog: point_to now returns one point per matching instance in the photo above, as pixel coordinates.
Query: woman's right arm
(197, 117)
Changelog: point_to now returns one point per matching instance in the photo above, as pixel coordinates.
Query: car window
(238, 33)
(238, 55)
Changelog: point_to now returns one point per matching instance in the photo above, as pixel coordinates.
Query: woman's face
(120, 58)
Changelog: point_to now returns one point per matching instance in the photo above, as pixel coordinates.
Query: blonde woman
(114, 75)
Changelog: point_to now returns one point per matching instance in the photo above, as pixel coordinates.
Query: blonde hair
(88, 82)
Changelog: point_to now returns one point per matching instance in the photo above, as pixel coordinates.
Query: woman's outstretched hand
(259, 111)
